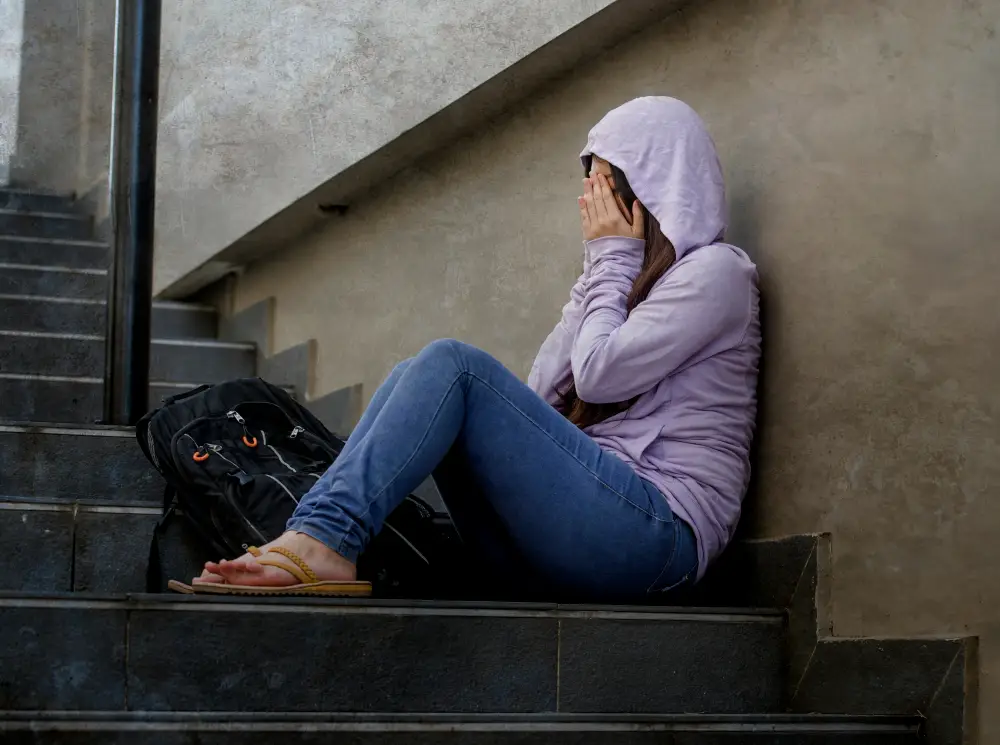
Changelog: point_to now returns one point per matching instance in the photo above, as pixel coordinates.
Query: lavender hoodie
(690, 350)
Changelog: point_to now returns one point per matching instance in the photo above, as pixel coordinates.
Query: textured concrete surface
(853, 137)
(11, 27)
(64, 79)
(263, 103)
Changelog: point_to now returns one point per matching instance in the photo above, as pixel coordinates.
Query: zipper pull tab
(295, 432)
(237, 417)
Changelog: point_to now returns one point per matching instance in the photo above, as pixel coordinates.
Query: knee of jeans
(399, 369)
(459, 356)
(448, 349)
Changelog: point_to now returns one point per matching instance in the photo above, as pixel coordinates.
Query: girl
(618, 471)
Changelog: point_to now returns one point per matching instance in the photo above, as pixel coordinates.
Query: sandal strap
(301, 571)
(254, 552)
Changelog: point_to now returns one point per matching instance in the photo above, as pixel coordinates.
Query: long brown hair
(658, 255)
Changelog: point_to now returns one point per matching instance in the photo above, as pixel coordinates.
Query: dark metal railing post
(132, 189)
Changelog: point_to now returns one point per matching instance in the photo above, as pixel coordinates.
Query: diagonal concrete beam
(273, 113)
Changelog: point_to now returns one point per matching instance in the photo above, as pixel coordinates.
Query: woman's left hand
(600, 214)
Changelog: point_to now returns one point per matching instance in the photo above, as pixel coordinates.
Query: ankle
(314, 551)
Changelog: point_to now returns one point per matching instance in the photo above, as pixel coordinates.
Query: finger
(601, 195)
(584, 215)
(590, 200)
(638, 226)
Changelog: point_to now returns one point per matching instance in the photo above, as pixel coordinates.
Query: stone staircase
(87, 657)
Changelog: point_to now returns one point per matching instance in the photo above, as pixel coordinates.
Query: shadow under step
(185, 728)
(186, 653)
(89, 316)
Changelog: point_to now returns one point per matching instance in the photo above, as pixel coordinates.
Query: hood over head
(669, 159)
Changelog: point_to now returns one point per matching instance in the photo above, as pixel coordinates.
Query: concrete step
(47, 252)
(64, 547)
(185, 728)
(80, 400)
(24, 200)
(83, 316)
(46, 224)
(183, 653)
(53, 281)
(75, 462)
(82, 355)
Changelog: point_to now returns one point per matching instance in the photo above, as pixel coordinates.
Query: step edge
(24, 505)
(15, 266)
(70, 429)
(89, 380)
(171, 305)
(69, 336)
(56, 241)
(45, 215)
(381, 607)
(249, 721)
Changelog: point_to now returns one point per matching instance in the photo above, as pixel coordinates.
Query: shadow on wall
(64, 97)
(744, 231)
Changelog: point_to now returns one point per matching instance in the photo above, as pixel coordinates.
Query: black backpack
(237, 457)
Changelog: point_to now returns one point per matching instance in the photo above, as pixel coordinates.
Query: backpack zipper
(217, 449)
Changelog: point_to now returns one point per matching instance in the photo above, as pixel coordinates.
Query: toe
(208, 576)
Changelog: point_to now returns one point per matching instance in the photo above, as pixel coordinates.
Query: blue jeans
(532, 494)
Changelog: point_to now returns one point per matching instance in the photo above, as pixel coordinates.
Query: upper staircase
(87, 657)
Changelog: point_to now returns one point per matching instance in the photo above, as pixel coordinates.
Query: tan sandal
(309, 583)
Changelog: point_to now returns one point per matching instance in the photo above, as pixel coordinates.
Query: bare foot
(326, 563)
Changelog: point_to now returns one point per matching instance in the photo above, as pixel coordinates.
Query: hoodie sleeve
(551, 370)
(699, 308)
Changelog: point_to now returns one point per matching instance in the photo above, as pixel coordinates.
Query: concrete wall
(271, 109)
(66, 70)
(11, 25)
(859, 142)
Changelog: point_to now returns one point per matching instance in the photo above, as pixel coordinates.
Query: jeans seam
(409, 460)
(670, 560)
(562, 447)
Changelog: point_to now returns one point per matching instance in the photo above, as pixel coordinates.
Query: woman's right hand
(600, 216)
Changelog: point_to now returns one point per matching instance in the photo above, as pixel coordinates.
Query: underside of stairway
(87, 657)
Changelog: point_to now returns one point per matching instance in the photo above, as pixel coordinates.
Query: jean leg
(579, 516)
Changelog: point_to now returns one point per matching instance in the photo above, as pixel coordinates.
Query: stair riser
(75, 465)
(380, 659)
(34, 400)
(169, 322)
(444, 736)
(71, 255)
(85, 358)
(41, 226)
(19, 200)
(53, 284)
(81, 550)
